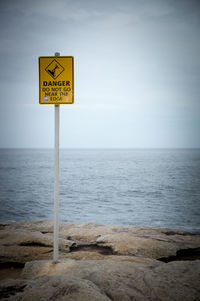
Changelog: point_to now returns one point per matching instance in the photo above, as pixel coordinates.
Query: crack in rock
(184, 254)
(34, 244)
(11, 291)
(104, 250)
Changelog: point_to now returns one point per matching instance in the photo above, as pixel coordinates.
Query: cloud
(137, 58)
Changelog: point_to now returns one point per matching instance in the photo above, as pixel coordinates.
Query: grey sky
(137, 72)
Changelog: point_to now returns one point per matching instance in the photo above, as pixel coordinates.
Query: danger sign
(56, 80)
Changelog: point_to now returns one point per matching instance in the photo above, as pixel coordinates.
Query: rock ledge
(98, 262)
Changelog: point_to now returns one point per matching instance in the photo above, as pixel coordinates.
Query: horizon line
(99, 148)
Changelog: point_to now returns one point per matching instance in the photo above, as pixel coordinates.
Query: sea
(147, 187)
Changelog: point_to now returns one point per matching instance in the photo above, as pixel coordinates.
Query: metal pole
(56, 182)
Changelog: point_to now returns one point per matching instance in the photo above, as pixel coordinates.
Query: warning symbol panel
(54, 69)
(56, 80)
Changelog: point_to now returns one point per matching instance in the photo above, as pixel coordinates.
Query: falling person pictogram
(52, 72)
(54, 69)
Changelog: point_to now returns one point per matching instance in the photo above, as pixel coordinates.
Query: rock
(36, 239)
(124, 243)
(98, 262)
(22, 254)
(21, 243)
(178, 280)
(87, 255)
(10, 288)
(81, 268)
(56, 288)
(105, 280)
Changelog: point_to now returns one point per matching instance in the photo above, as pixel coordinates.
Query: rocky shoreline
(98, 262)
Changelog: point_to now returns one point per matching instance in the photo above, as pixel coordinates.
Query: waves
(144, 187)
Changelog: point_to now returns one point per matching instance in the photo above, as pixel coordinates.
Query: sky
(137, 73)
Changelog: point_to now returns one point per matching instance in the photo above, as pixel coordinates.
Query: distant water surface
(152, 187)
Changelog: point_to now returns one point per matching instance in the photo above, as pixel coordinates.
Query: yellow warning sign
(56, 80)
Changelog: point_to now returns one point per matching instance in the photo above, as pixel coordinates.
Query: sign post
(56, 180)
(56, 184)
(56, 86)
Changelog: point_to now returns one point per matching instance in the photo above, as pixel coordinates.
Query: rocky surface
(98, 262)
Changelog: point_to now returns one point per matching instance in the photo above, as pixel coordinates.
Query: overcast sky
(137, 72)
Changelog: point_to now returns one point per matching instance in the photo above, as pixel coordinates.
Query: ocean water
(152, 187)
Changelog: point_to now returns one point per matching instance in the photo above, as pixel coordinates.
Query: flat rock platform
(98, 262)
